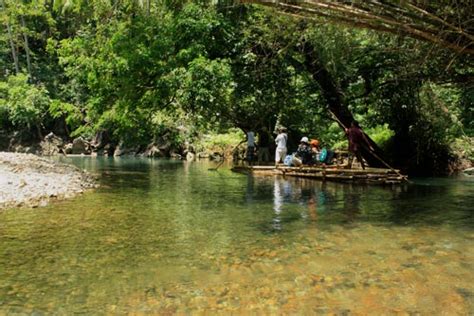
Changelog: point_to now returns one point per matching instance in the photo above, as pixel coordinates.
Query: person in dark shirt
(357, 140)
(263, 145)
(304, 151)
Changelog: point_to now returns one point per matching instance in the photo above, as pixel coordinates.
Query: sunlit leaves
(208, 87)
(25, 104)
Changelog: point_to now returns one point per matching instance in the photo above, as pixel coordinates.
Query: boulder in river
(153, 150)
(101, 139)
(23, 143)
(122, 150)
(79, 146)
(107, 150)
(68, 148)
(51, 145)
(164, 146)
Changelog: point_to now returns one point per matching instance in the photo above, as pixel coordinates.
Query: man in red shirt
(357, 139)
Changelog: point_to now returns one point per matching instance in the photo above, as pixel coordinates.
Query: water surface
(163, 236)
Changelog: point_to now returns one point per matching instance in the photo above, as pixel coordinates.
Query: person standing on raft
(357, 139)
(280, 142)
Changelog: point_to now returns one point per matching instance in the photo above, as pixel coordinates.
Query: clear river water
(173, 237)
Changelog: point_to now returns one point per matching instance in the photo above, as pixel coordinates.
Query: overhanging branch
(407, 18)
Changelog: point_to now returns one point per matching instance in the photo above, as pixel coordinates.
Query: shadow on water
(435, 201)
(427, 202)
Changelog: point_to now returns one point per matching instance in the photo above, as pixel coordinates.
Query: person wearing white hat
(304, 151)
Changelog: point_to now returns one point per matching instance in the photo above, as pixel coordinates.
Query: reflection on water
(165, 236)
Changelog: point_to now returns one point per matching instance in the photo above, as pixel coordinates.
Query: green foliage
(25, 105)
(5, 122)
(186, 69)
(467, 110)
(26, 25)
(440, 106)
(207, 88)
(71, 113)
(464, 147)
(220, 142)
(380, 134)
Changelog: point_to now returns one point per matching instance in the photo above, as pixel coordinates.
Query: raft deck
(329, 173)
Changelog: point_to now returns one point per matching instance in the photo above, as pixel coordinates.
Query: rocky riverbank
(29, 180)
(102, 145)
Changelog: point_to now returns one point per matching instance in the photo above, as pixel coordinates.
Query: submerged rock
(79, 146)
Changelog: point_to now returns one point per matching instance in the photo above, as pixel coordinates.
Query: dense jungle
(161, 77)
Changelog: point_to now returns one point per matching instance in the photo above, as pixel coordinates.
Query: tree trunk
(38, 131)
(13, 48)
(12, 44)
(27, 48)
(335, 100)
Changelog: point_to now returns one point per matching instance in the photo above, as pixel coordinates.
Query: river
(165, 237)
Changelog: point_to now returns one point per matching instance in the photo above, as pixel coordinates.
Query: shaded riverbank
(29, 180)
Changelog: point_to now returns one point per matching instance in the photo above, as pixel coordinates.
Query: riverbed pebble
(29, 180)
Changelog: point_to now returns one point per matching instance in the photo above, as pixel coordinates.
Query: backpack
(288, 161)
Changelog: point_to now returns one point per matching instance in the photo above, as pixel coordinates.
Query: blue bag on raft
(323, 155)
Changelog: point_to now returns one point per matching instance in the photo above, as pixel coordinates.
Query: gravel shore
(29, 180)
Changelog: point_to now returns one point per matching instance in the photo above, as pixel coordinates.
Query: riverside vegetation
(159, 78)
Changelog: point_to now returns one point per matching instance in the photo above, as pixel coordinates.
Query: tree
(446, 24)
(27, 24)
(10, 39)
(26, 105)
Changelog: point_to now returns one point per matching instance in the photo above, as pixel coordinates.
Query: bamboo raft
(331, 173)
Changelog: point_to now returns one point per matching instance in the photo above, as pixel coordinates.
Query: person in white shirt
(280, 141)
